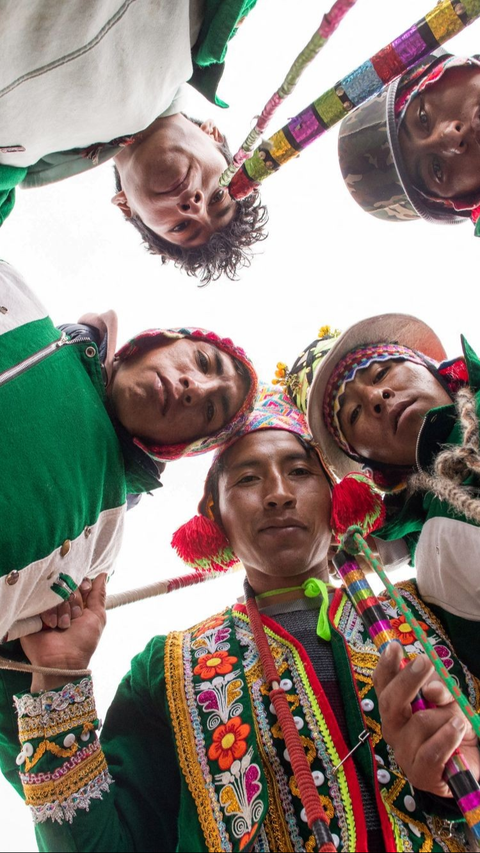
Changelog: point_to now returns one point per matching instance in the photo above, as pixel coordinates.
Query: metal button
(339, 91)
(50, 576)
(3, 309)
(348, 105)
(90, 352)
(65, 548)
(87, 532)
(12, 577)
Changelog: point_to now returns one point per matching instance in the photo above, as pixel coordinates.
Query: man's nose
(376, 398)
(279, 493)
(195, 390)
(191, 201)
(453, 137)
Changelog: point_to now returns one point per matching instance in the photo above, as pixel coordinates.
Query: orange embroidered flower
(229, 742)
(218, 663)
(403, 631)
(210, 625)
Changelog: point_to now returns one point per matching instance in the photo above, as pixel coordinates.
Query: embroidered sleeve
(62, 766)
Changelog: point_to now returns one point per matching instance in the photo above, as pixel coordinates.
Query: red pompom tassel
(198, 538)
(355, 501)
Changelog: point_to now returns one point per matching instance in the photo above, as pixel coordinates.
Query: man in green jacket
(84, 83)
(193, 755)
(83, 427)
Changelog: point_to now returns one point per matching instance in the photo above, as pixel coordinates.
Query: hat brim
(392, 328)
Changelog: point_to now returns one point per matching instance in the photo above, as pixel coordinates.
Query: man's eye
(354, 415)
(247, 478)
(380, 374)
(300, 471)
(422, 115)
(218, 196)
(181, 226)
(210, 412)
(203, 361)
(437, 169)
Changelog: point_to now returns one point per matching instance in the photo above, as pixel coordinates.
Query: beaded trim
(58, 812)
(53, 700)
(57, 721)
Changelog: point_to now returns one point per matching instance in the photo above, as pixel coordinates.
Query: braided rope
(456, 462)
(330, 22)
(354, 543)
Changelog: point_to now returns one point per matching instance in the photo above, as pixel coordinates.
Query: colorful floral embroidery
(403, 631)
(239, 796)
(209, 625)
(219, 698)
(229, 742)
(218, 663)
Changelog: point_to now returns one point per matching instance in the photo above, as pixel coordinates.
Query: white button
(367, 704)
(379, 760)
(298, 722)
(335, 839)
(318, 777)
(85, 736)
(415, 829)
(20, 758)
(383, 776)
(69, 740)
(409, 803)
(272, 709)
(303, 815)
(286, 684)
(286, 755)
(27, 749)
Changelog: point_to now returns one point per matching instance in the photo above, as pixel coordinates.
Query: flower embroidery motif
(218, 663)
(403, 630)
(212, 641)
(229, 742)
(210, 625)
(241, 789)
(219, 698)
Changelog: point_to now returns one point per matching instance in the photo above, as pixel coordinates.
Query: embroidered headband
(346, 370)
(297, 380)
(167, 452)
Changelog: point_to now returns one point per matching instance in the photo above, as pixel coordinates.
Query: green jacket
(65, 472)
(193, 759)
(445, 545)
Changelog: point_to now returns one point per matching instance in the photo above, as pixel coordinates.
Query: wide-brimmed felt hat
(403, 329)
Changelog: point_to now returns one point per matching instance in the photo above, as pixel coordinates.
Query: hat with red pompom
(152, 337)
(201, 542)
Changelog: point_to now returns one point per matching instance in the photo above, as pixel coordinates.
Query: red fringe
(356, 502)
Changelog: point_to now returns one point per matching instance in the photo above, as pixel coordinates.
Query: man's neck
(272, 590)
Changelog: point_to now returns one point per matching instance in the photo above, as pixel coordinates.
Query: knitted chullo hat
(152, 337)
(296, 380)
(201, 543)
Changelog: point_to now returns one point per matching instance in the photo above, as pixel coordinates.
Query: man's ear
(120, 200)
(210, 128)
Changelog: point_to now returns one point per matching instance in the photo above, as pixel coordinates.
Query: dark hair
(227, 251)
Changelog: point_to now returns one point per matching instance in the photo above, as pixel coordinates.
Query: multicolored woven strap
(445, 20)
(329, 24)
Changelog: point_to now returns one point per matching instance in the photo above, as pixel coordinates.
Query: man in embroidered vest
(82, 83)
(84, 426)
(192, 740)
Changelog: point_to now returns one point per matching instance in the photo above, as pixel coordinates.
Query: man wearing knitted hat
(82, 83)
(82, 427)
(383, 398)
(414, 150)
(258, 728)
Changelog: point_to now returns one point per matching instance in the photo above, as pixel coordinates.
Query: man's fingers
(97, 597)
(387, 667)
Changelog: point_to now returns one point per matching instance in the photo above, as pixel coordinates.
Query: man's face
(177, 392)
(274, 503)
(383, 408)
(440, 135)
(170, 181)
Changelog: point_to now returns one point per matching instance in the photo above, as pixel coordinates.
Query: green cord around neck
(311, 588)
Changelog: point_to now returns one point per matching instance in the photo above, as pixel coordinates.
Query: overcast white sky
(325, 261)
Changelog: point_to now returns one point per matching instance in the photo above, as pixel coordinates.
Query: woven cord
(329, 24)
(456, 462)
(316, 817)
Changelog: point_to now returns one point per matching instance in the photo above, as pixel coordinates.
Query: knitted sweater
(196, 754)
